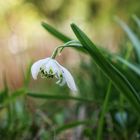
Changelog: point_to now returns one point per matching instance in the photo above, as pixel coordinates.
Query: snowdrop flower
(49, 68)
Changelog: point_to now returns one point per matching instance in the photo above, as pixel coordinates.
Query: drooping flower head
(49, 68)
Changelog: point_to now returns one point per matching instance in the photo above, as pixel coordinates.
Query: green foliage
(123, 77)
(132, 36)
(58, 97)
(111, 71)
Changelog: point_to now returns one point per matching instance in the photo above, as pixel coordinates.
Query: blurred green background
(23, 40)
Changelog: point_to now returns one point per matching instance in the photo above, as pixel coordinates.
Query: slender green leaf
(27, 76)
(131, 66)
(118, 79)
(137, 20)
(104, 109)
(72, 124)
(55, 32)
(132, 77)
(58, 97)
(134, 39)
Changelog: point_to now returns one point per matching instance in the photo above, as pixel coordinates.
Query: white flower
(48, 68)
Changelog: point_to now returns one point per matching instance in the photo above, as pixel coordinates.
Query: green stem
(55, 52)
(72, 43)
(104, 109)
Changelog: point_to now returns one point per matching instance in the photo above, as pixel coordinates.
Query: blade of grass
(104, 109)
(137, 20)
(58, 97)
(71, 125)
(134, 39)
(27, 76)
(131, 66)
(117, 78)
(55, 32)
(132, 77)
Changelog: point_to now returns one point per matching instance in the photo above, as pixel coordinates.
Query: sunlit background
(23, 41)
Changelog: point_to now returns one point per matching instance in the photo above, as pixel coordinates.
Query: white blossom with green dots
(49, 68)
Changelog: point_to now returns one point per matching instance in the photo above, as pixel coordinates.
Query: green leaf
(117, 78)
(104, 110)
(132, 77)
(131, 66)
(72, 124)
(55, 33)
(134, 39)
(27, 76)
(137, 20)
(58, 97)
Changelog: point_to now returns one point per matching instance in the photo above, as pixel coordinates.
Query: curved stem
(55, 52)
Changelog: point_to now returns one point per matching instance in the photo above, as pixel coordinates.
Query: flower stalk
(50, 68)
(56, 51)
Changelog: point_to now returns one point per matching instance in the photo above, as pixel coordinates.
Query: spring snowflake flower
(49, 68)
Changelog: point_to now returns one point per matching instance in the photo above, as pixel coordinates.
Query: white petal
(36, 67)
(52, 65)
(69, 79)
